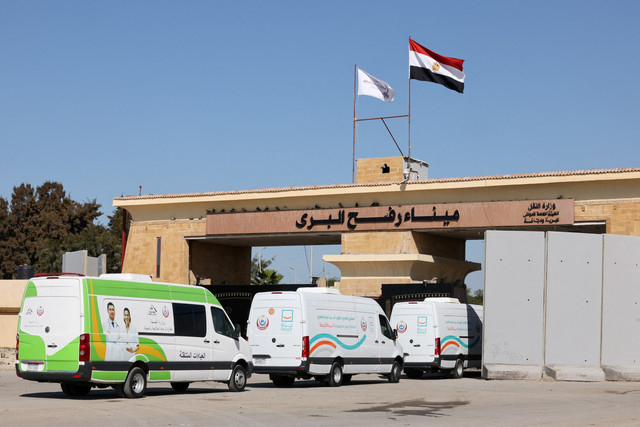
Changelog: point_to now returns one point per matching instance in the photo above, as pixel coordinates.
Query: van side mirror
(395, 334)
(236, 331)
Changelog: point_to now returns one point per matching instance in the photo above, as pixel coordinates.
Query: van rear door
(416, 331)
(275, 330)
(50, 325)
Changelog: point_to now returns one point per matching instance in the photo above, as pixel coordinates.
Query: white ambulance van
(439, 334)
(319, 333)
(124, 330)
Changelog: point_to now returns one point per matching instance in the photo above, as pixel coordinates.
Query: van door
(50, 325)
(387, 345)
(416, 331)
(275, 330)
(193, 348)
(225, 346)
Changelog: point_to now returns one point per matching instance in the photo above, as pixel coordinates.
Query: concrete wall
(621, 308)
(573, 306)
(513, 305)
(11, 292)
(591, 302)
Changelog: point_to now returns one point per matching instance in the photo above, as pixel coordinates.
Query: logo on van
(363, 324)
(165, 311)
(40, 311)
(422, 321)
(152, 310)
(401, 327)
(271, 311)
(287, 315)
(262, 323)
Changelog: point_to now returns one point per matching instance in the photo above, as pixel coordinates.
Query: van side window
(190, 320)
(385, 328)
(221, 324)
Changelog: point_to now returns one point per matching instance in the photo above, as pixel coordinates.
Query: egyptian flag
(428, 66)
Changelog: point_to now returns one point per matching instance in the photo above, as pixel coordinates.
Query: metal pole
(353, 162)
(409, 118)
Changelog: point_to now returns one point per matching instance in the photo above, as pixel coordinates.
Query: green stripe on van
(30, 291)
(118, 376)
(159, 375)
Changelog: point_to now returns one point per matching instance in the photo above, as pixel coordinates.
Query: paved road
(368, 400)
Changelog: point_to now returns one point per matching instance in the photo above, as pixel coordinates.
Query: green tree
(476, 298)
(267, 277)
(261, 275)
(40, 224)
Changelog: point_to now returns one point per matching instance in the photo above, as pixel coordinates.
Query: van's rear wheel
(282, 380)
(72, 389)
(396, 370)
(135, 384)
(334, 379)
(458, 369)
(414, 374)
(180, 387)
(238, 379)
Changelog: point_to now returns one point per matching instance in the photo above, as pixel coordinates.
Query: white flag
(369, 85)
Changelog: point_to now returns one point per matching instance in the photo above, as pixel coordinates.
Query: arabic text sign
(398, 217)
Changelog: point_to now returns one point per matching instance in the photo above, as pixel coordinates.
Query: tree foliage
(261, 275)
(476, 298)
(40, 224)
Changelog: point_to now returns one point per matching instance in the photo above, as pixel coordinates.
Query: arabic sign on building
(406, 217)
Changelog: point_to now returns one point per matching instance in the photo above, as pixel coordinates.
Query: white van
(319, 333)
(124, 330)
(439, 334)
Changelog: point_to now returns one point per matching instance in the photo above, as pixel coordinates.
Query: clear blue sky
(210, 95)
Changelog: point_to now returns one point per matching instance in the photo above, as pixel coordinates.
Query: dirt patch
(7, 358)
(414, 407)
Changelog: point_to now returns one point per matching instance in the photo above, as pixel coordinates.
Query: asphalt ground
(367, 401)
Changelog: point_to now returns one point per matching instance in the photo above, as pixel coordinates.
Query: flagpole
(353, 162)
(409, 119)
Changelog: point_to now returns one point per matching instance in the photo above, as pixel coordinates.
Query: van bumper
(282, 370)
(83, 374)
(423, 365)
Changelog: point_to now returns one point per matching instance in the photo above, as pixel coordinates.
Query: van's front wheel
(135, 384)
(458, 369)
(180, 387)
(334, 379)
(238, 379)
(396, 370)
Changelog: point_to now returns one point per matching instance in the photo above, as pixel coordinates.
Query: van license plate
(260, 361)
(32, 366)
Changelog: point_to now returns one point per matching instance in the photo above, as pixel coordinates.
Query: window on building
(158, 253)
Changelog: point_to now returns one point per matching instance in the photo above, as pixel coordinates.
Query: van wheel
(135, 384)
(238, 379)
(414, 374)
(180, 387)
(334, 379)
(71, 389)
(282, 381)
(458, 369)
(396, 370)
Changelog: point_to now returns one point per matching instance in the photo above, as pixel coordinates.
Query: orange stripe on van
(319, 343)
(453, 343)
